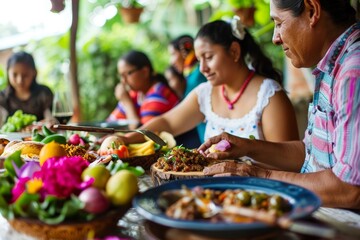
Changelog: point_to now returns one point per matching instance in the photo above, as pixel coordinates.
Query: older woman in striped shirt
(328, 160)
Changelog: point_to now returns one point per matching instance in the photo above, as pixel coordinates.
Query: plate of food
(179, 163)
(216, 206)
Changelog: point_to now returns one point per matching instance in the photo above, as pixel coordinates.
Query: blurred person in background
(182, 57)
(176, 80)
(23, 92)
(142, 93)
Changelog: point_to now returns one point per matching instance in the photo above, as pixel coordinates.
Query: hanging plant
(57, 6)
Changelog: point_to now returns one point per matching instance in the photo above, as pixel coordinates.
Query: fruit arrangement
(58, 188)
(112, 145)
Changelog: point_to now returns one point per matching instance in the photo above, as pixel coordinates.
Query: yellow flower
(34, 185)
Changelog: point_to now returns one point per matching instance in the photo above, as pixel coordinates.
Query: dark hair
(184, 44)
(220, 32)
(139, 60)
(340, 11)
(174, 71)
(25, 58)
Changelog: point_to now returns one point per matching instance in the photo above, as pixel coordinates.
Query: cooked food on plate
(230, 205)
(181, 159)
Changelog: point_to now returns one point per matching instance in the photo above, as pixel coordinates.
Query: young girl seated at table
(142, 93)
(23, 92)
(242, 96)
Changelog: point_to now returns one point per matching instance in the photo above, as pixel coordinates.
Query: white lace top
(248, 125)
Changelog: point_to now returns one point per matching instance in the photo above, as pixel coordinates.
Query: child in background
(176, 81)
(23, 92)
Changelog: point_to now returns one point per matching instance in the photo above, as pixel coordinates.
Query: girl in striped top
(142, 93)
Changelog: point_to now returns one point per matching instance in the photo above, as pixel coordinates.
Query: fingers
(204, 148)
(219, 168)
(233, 168)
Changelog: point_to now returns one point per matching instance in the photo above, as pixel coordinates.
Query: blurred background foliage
(100, 46)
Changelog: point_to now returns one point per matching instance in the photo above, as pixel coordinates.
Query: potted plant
(130, 10)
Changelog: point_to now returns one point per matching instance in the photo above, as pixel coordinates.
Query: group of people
(244, 103)
(222, 84)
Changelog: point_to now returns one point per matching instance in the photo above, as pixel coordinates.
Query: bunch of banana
(141, 149)
(29, 149)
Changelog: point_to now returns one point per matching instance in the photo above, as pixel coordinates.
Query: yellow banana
(141, 146)
(141, 152)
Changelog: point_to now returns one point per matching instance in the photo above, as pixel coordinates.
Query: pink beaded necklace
(242, 89)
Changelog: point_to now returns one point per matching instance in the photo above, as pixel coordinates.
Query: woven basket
(74, 230)
(143, 161)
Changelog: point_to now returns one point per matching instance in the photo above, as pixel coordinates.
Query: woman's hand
(233, 168)
(121, 92)
(237, 149)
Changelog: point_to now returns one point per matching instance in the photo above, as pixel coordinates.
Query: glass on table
(62, 108)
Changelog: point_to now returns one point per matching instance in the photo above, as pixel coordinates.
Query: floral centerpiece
(65, 191)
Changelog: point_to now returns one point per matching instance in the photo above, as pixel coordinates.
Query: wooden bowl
(71, 230)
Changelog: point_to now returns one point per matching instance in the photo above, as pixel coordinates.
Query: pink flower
(18, 189)
(61, 176)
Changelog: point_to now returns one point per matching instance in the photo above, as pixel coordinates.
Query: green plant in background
(129, 3)
(3, 81)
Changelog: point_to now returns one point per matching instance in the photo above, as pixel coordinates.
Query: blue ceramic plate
(303, 204)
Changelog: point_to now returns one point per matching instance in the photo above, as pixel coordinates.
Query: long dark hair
(340, 11)
(25, 58)
(139, 60)
(220, 32)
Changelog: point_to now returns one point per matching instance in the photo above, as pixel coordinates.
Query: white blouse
(250, 124)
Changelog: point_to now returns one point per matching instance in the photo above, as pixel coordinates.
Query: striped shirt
(158, 100)
(332, 137)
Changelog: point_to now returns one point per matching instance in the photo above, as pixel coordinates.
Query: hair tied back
(238, 28)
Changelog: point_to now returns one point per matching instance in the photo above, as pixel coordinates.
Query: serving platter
(303, 203)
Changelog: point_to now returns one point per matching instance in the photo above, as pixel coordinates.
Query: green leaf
(23, 202)
(13, 158)
(67, 209)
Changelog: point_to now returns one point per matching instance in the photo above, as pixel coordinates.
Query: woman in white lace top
(238, 99)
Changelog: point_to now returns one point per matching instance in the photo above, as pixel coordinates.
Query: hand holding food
(221, 146)
(229, 147)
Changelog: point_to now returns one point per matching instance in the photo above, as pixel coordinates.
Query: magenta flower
(18, 189)
(61, 176)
